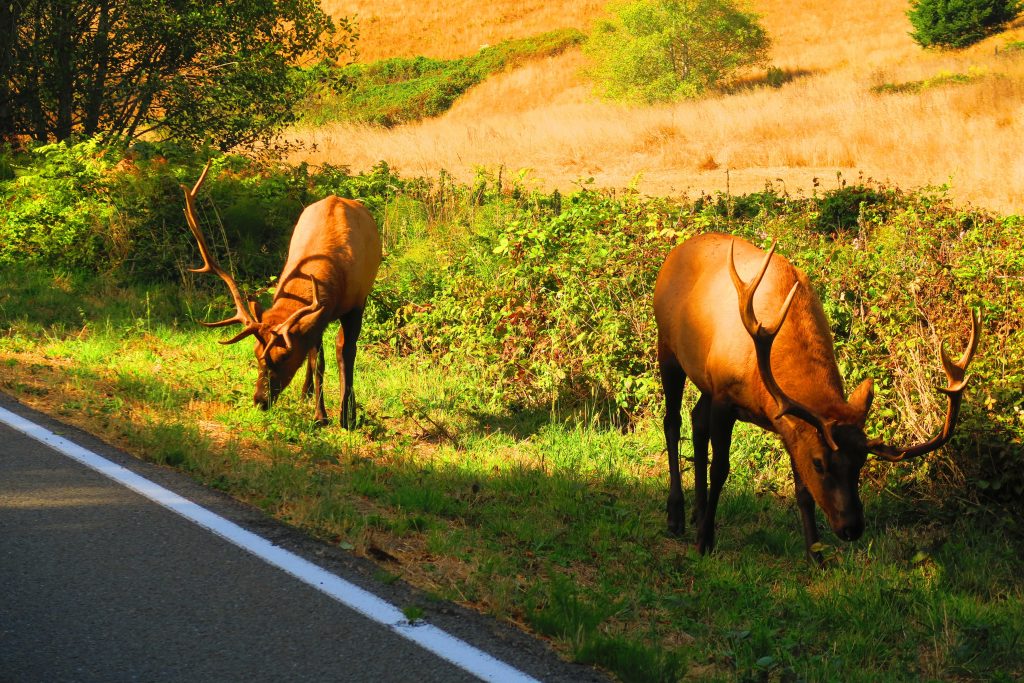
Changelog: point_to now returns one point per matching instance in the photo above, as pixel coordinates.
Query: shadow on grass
(59, 301)
(583, 558)
(774, 77)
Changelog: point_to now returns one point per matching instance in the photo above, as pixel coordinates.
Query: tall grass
(824, 120)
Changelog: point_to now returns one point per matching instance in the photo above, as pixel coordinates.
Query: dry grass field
(826, 120)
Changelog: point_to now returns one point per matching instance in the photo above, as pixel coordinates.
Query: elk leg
(673, 379)
(700, 420)
(311, 364)
(722, 420)
(805, 502)
(351, 323)
(315, 376)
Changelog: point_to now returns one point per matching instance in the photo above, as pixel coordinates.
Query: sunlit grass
(551, 522)
(825, 120)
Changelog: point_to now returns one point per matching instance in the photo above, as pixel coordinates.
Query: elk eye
(819, 466)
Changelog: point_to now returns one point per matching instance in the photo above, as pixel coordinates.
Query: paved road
(98, 583)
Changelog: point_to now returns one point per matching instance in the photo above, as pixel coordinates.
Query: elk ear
(860, 400)
(306, 322)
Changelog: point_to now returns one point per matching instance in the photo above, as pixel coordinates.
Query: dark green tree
(959, 23)
(199, 71)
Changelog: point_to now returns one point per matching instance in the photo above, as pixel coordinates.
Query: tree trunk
(101, 64)
(9, 11)
(64, 68)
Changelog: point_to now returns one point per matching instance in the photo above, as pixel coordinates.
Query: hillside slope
(825, 121)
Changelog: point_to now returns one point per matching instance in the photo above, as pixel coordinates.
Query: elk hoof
(705, 543)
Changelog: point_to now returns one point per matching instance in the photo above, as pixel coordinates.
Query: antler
(246, 315)
(764, 336)
(956, 373)
(282, 331)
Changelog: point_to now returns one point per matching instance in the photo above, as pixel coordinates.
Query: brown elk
(333, 257)
(782, 378)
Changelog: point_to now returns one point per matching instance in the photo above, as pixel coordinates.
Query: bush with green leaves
(86, 206)
(659, 50)
(959, 23)
(548, 300)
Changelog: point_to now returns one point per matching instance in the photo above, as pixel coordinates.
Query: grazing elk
(782, 378)
(332, 261)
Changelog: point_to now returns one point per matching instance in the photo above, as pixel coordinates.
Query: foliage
(656, 50)
(843, 209)
(959, 23)
(546, 297)
(400, 90)
(85, 206)
(195, 71)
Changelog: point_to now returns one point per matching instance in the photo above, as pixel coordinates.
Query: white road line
(431, 638)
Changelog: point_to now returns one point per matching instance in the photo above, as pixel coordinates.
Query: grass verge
(554, 525)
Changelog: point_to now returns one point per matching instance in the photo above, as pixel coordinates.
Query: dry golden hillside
(543, 116)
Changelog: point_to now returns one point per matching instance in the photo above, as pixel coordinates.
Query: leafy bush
(550, 303)
(843, 208)
(959, 23)
(83, 206)
(59, 212)
(658, 50)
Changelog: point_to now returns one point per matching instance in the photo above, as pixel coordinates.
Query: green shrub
(58, 210)
(83, 206)
(658, 50)
(843, 209)
(959, 23)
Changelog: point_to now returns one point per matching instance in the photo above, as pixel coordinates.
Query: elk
(782, 378)
(333, 257)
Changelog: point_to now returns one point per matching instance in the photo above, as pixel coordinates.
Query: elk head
(829, 456)
(281, 336)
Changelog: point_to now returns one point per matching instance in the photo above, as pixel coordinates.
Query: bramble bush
(83, 206)
(552, 306)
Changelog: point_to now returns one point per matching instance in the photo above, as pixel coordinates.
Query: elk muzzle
(267, 391)
(848, 521)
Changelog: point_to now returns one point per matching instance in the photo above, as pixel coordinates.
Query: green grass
(562, 523)
(509, 454)
(400, 90)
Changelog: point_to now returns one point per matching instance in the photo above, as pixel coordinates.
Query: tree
(657, 50)
(959, 23)
(199, 71)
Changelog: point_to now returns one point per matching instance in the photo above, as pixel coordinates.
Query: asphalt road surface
(99, 583)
